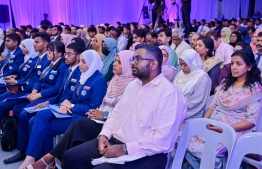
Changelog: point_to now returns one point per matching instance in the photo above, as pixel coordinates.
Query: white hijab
(186, 82)
(28, 43)
(93, 61)
(1, 39)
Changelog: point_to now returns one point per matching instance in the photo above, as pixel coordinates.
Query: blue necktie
(258, 58)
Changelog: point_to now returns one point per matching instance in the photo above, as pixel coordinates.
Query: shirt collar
(12, 52)
(41, 56)
(154, 82)
(54, 63)
(74, 67)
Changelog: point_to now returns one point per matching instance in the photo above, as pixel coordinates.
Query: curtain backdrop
(258, 6)
(6, 25)
(244, 7)
(231, 8)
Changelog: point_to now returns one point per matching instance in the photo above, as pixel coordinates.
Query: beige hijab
(100, 38)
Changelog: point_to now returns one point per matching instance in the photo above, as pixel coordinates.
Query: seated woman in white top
(168, 70)
(194, 83)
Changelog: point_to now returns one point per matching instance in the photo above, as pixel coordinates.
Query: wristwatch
(125, 149)
(106, 114)
(72, 106)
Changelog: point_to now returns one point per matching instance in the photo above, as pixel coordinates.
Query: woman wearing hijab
(225, 33)
(97, 43)
(88, 94)
(75, 135)
(168, 70)
(205, 30)
(79, 41)
(234, 38)
(109, 49)
(81, 34)
(66, 39)
(194, 83)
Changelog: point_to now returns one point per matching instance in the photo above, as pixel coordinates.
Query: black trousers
(186, 22)
(80, 157)
(82, 130)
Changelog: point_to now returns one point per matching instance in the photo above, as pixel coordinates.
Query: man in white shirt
(203, 23)
(121, 39)
(222, 50)
(144, 122)
(258, 24)
(179, 45)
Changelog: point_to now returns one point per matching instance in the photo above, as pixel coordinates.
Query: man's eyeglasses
(139, 58)
(69, 54)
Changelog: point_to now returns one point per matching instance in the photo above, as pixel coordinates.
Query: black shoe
(18, 157)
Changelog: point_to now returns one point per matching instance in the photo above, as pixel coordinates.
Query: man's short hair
(120, 28)
(68, 28)
(44, 27)
(34, 30)
(167, 32)
(235, 26)
(102, 27)
(43, 35)
(78, 49)
(140, 33)
(214, 34)
(119, 23)
(92, 29)
(153, 34)
(258, 19)
(127, 27)
(23, 27)
(152, 51)
(59, 28)
(259, 34)
(117, 31)
(22, 33)
(14, 37)
(29, 26)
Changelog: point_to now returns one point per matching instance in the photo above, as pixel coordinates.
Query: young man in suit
(14, 58)
(41, 42)
(56, 31)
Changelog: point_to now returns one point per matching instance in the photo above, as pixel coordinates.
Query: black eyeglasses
(139, 58)
(69, 54)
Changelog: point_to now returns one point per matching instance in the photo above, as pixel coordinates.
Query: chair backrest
(197, 127)
(249, 143)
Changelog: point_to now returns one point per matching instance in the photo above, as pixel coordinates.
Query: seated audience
(81, 34)
(56, 33)
(66, 39)
(75, 135)
(234, 38)
(204, 48)
(79, 41)
(254, 40)
(179, 44)
(193, 40)
(116, 34)
(258, 54)
(164, 37)
(109, 49)
(97, 43)
(222, 50)
(91, 32)
(139, 35)
(237, 103)
(151, 38)
(205, 30)
(225, 34)
(194, 83)
(168, 70)
(143, 109)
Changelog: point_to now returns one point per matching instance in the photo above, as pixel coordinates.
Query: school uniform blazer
(26, 69)
(38, 68)
(90, 96)
(51, 84)
(66, 91)
(14, 62)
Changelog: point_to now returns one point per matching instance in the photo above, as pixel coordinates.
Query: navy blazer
(51, 84)
(38, 68)
(26, 69)
(91, 94)
(14, 62)
(66, 91)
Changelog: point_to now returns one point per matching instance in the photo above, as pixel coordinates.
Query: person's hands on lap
(95, 114)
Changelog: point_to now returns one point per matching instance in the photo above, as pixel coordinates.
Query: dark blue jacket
(50, 84)
(66, 91)
(13, 63)
(34, 77)
(91, 95)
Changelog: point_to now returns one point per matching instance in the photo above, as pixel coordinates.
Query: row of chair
(249, 143)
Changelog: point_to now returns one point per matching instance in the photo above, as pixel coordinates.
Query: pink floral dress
(249, 113)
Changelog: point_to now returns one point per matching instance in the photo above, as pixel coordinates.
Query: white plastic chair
(197, 127)
(251, 161)
(249, 143)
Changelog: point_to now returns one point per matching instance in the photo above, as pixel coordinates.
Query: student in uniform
(26, 84)
(88, 94)
(15, 57)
